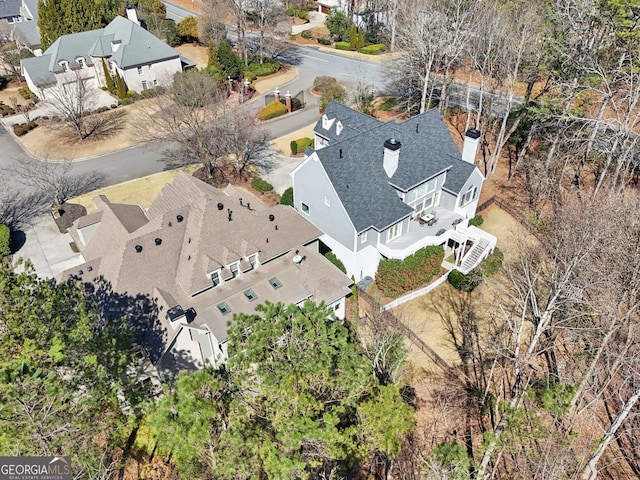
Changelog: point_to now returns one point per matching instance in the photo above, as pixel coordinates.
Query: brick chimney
(391, 156)
(470, 147)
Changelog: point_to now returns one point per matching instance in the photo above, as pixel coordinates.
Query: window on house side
(144, 84)
(363, 237)
(469, 196)
(305, 208)
(394, 232)
(139, 70)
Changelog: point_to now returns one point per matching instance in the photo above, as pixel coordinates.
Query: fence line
(517, 216)
(391, 320)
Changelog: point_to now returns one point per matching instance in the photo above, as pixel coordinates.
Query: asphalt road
(146, 159)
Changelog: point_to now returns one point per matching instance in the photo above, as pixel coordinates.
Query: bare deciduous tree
(54, 180)
(74, 101)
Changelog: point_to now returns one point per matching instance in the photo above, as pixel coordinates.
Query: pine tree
(111, 86)
(359, 40)
(353, 37)
(121, 87)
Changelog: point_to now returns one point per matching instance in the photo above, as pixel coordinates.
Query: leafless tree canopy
(195, 117)
(74, 102)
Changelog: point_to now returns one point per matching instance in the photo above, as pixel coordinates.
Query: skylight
(275, 283)
(250, 294)
(224, 308)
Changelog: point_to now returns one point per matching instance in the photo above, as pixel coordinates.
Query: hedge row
(26, 93)
(374, 49)
(6, 110)
(336, 261)
(397, 277)
(272, 110)
(21, 129)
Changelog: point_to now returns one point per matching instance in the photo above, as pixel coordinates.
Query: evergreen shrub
(261, 185)
(272, 110)
(287, 197)
(5, 240)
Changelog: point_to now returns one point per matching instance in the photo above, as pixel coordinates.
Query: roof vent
(138, 248)
(392, 144)
(340, 153)
(297, 259)
(272, 217)
(240, 201)
(170, 224)
(229, 213)
(89, 268)
(158, 241)
(179, 218)
(220, 206)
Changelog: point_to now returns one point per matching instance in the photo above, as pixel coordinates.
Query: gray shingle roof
(354, 162)
(352, 121)
(136, 47)
(10, 8)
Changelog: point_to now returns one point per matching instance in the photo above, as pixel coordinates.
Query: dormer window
(215, 278)
(326, 123)
(253, 260)
(81, 62)
(235, 269)
(65, 65)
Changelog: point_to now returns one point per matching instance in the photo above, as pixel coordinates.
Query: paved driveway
(47, 248)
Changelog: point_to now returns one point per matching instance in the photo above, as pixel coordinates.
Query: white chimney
(470, 147)
(391, 156)
(132, 14)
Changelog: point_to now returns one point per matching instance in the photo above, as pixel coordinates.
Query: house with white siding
(385, 190)
(140, 58)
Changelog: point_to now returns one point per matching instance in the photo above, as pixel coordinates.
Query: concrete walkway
(316, 19)
(48, 249)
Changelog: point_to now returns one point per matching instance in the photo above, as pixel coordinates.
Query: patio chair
(434, 220)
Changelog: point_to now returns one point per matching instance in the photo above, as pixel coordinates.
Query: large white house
(385, 190)
(140, 58)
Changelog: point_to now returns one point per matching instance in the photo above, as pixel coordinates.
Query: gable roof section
(354, 163)
(365, 194)
(352, 121)
(137, 47)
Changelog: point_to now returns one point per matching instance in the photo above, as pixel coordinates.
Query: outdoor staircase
(473, 256)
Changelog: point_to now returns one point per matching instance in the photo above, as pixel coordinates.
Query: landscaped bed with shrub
(488, 266)
(23, 128)
(397, 277)
(272, 110)
(300, 145)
